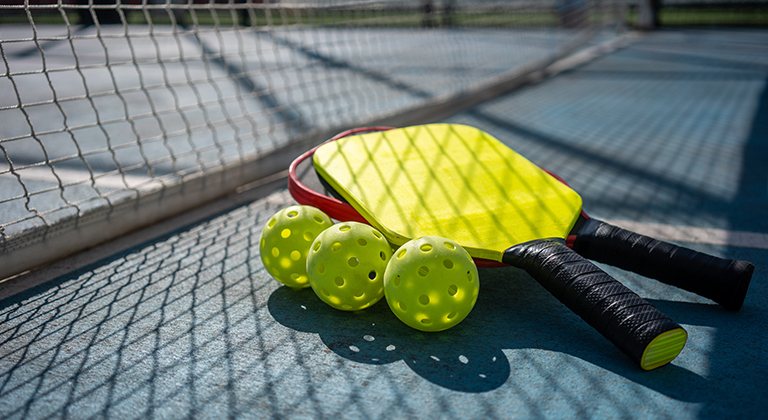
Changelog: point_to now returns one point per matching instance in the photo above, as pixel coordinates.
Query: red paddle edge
(342, 211)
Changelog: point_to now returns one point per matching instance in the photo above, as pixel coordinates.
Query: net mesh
(116, 115)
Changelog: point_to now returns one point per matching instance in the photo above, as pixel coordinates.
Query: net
(117, 115)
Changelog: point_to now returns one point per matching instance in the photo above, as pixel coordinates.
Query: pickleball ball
(431, 283)
(346, 265)
(285, 242)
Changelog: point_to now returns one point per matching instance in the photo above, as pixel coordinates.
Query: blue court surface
(669, 135)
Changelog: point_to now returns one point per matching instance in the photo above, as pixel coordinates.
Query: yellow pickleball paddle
(460, 183)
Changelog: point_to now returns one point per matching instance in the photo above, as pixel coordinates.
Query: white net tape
(113, 116)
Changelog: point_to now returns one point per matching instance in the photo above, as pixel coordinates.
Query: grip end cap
(663, 349)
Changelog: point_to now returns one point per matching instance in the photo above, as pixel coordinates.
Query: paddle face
(451, 181)
(307, 188)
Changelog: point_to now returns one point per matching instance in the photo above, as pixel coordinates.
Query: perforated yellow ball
(285, 242)
(346, 266)
(431, 283)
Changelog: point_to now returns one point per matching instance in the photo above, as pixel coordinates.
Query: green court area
(709, 16)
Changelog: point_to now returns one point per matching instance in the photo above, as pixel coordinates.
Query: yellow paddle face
(448, 180)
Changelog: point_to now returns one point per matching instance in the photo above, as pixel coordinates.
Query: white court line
(74, 176)
(699, 235)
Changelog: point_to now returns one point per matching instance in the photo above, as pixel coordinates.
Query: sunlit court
(383, 209)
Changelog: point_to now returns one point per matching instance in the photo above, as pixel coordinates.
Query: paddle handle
(725, 281)
(633, 325)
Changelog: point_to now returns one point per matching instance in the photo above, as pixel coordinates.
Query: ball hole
(376, 233)
(275, 252)
(316, 246)
(325, 292)
(424, 300)
(286, 262)
(285, 233)
(402, 306)
(426, 321)
(423, 271)
(401, 253)
(339, 281)
(448, 264)
(321, 268)
(396, 280)
(451, 315)
(271, 223)
(383, 256)
(469, 276)
(318, 219)
(359, 294)
(309, 236)
(292, 213)
(353, 261)
(336, 246)
(346, 307)
(345, 228)
(263, 242)
(295, 255)
(372, 275)
(449, 245)
(425, 247)
(295, 276)
(453, 289)
(362, 241)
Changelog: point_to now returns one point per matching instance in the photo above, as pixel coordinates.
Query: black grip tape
(625, 319)
(725, 281)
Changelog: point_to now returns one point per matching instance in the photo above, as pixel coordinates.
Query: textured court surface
(671, 130)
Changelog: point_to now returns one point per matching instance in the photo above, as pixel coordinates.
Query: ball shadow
(512, 312)
(460, 360)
